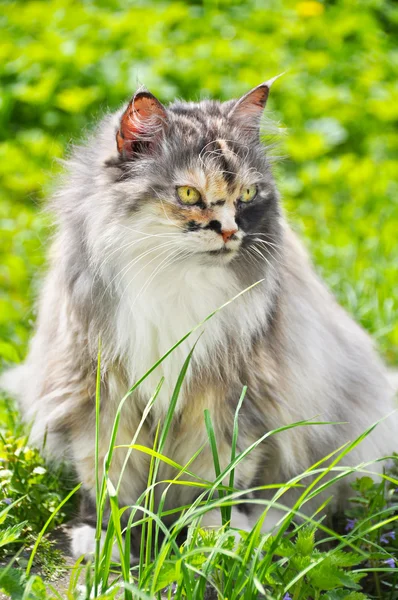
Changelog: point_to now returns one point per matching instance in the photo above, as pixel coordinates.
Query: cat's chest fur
(148, 324)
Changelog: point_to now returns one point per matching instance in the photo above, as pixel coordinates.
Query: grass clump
(304, 558)
(301, 558)
(33, 488)
(30, 494)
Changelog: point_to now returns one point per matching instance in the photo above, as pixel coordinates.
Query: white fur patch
(163, 295)
(243, 522)
(83, 543)
(238, 519)
(272, 521)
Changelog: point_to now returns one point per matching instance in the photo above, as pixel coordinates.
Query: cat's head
(202, 174)
(185, 184)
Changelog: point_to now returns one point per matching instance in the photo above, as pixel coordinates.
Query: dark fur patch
(226, 168)
(214, 226)
(193, 226)
(87, 511)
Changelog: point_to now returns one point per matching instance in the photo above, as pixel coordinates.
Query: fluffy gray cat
(164, 215)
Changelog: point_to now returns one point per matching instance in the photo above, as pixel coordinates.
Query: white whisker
(265, 244)
(136, 274)
(154, 273)
(149, 235)
(122, 272)
(264, 258)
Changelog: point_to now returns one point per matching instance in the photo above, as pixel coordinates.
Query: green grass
(237, 565)
(63, 63)
(290, 561)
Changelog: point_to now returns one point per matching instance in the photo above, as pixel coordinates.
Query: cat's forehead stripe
(229, 154)
(228, 164)
(220, 164)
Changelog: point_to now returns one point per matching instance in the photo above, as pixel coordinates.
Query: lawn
(63, 65)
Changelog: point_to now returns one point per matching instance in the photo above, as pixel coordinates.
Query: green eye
(248, 194)
(188, 194)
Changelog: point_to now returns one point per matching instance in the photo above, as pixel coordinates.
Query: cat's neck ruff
(152, 317)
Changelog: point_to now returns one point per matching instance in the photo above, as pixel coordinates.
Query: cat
(164, 215)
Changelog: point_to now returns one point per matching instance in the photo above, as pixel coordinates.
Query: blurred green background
(64, 63)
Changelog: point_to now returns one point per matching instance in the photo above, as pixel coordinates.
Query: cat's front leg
(82, 534)
(239, 519)
(83, 543)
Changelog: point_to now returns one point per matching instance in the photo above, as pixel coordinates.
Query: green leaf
(12, 582)
(166, 576)
(344, 595)
(365, 484)
(327, 576)
(305, 541)
(11, 534)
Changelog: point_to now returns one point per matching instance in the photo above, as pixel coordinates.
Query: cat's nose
(227, 234)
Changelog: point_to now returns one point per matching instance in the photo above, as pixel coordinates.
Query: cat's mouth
(220, 252)
(221, 256)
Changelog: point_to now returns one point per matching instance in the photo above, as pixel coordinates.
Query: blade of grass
(213, 445)
(6, 510)
(75, 574)
(164, 495)
(169, 417)
(235, 433)
(132, 444)
(106, 555)
(154, 454)
(146, 540)
(115, 514)
(98, 529)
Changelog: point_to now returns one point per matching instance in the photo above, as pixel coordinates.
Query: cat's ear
(141, 124)
(248, 110)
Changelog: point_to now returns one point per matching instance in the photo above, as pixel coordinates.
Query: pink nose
(227, 234)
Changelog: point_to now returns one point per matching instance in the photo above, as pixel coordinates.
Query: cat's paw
(83, 543)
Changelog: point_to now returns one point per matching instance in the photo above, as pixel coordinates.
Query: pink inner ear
(252, 104)
(259, 96)
(141, 120)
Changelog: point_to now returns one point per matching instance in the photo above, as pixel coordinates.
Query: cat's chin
(218, 257)
(221, 252)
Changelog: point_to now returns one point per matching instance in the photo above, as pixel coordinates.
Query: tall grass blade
(234, 442)
(216, 461)
(98, 529)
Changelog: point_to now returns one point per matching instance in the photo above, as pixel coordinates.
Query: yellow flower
(310, 9)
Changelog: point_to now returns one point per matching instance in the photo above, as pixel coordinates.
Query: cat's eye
(188, 194)
(248, 194)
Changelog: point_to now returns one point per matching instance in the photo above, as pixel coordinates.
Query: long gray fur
(300, 354)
